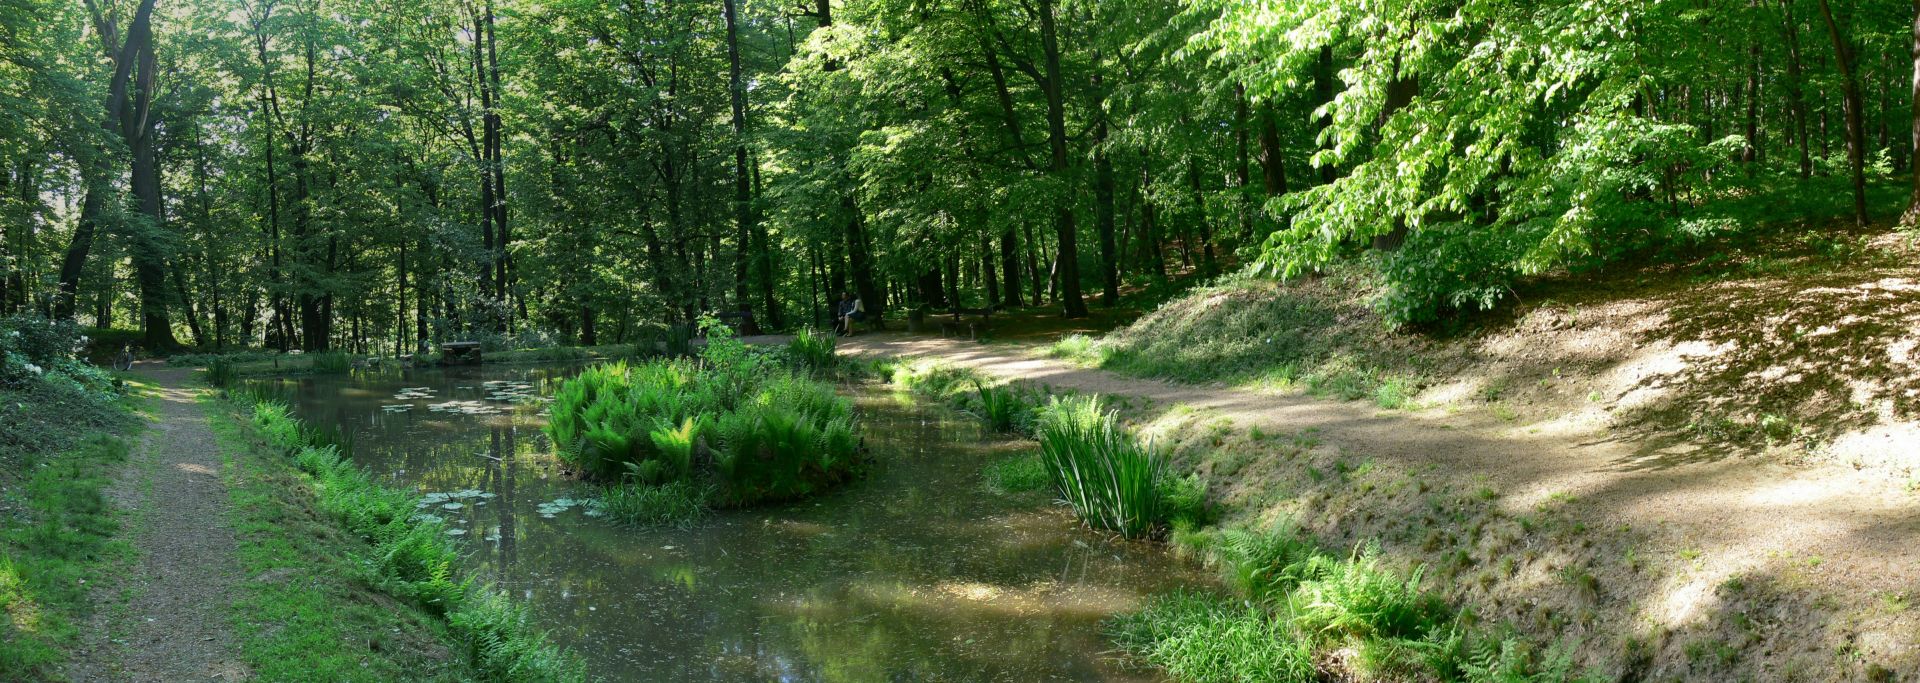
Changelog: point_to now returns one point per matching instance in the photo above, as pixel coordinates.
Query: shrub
(1109, 478)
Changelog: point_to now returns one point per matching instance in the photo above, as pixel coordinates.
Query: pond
(915, 573)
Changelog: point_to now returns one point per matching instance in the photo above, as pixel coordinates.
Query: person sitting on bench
(851, 311)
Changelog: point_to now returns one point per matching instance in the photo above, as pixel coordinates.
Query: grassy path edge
(340, 577)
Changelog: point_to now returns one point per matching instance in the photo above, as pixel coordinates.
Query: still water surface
(914, 574)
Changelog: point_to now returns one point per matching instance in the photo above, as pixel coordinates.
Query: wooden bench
(973, 321)
(741, 321)
(460, 353)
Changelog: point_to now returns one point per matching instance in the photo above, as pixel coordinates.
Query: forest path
(1847, 532)
(166, 618)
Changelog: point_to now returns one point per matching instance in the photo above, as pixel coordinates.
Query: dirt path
(167, 618)
(1851, 533)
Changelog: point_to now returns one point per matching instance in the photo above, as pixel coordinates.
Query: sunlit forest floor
(1699, 467)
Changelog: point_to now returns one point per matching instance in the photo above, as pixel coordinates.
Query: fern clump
(733, 426)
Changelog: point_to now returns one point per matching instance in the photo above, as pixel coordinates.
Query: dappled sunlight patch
(16, 598)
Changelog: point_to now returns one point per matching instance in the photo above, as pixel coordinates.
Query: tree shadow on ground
(1797, 357)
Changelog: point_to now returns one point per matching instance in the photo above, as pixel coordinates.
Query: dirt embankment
(1698, 481)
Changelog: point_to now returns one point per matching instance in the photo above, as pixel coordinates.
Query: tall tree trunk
(1796, 89)
(1010, 268)
(1856, 125)
(1912, 216)
(1751, 152)
(1067, 263)
(742, 209)
(1103, 199)
(497, 170)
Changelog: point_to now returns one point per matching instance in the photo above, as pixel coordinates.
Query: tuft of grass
(1018, 474)
(1080, 349)
(1206, 639)
(221, 372)
(675, 504)
(1003, 408)
(330, 363)
(813, 350)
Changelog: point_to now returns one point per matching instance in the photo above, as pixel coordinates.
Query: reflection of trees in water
(501, 469)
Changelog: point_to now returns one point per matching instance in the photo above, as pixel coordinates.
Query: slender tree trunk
(1103, 199)
(1067, 263)
(1751, 153)
(742, 211)
(1856, 125)
(1010, 267)
(1796, 89)
(1912, 216)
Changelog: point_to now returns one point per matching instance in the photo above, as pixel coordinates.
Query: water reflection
(914, 574)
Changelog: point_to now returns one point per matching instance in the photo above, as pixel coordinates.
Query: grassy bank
(346, 584)
(57, 529)
(65, 428)
(1316, 336)
(1298, 610)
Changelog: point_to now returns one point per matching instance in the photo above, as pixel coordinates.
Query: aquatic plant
(1018, 474)
(771, 434)
(677, 503)
(221, 372)
(1109, 478)
(773, 451)
(1002, 408)
(330, 363)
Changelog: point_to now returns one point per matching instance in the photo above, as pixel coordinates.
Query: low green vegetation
(1111, 479)
(1018, 474)
(62, 423)
(1316, 336)
(401, 553)
(1298, 605)
(57, 533)
(734, 427)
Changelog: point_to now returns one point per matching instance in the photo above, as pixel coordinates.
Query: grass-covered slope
(1796, 340)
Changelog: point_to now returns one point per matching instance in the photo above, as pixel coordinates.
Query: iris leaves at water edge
(1097, 467)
